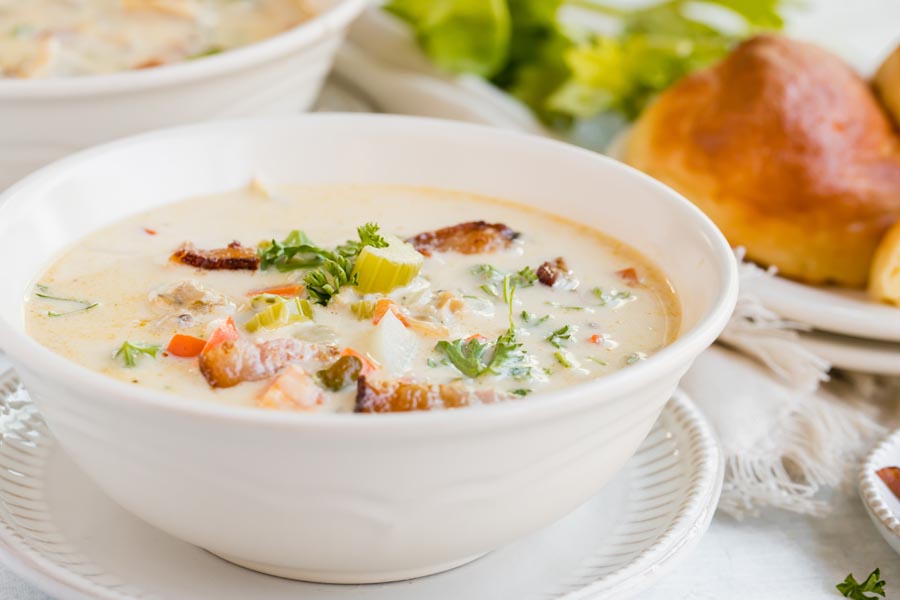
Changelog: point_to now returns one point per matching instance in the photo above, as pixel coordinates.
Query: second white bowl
(45, 119)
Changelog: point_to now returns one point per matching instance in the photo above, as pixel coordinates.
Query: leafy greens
(523, 47)
(331, 269)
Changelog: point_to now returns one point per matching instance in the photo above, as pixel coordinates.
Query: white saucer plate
(855, 354)
(61, 533)
(848, 312)
(881, 504)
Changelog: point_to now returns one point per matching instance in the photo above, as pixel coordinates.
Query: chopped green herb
(489, 290)
(564, 306)
(50, 313)
(208, 52)
(432, 363)
(470, 356)
(563, 359)
(131, 352)
(497, 280)
(533, 319)
(331, 269)
(559, 337)
(597, 360)
(44, 293)
(873, 584)
(616, 296)
(521, 392)
(635, 357)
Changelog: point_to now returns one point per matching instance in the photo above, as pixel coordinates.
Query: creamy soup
(60, 38)
(343, 298)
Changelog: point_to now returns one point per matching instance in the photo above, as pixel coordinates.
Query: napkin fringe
(762, 334)
(816, 445)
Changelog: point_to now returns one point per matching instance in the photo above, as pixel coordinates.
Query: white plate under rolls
(62, 534)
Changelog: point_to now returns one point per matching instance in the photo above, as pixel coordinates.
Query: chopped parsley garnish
(873, 584)
(635, 357)
(559, 337)
(84, 305)
(614, 296)
(496, 280)
(208, 52)
(521, 392)
(597, 360)
(331, 270)
(507, 357)
(132, 351)
(564, 306)
(563, 358)
(533, 319)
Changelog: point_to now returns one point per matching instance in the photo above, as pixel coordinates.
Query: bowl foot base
(344, 577)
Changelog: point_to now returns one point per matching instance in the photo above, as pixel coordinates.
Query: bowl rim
(321, 25)
(678, 355)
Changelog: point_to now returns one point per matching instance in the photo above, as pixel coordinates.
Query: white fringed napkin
(786, 430)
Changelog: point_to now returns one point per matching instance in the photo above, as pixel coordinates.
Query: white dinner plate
(881, 504)
(855, 354)
(848, 312)
(61, 533)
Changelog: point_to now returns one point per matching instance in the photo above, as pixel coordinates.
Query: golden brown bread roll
(788, 152)
(887, 83)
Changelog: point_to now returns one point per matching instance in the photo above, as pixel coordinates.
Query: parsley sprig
(497, 281)
(43, 292)
(470, 356)
(559, 337)
(331, 269)
(873, 584)
(132, 351)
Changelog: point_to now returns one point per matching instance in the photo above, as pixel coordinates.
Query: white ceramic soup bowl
(352, 497)
(44, 119)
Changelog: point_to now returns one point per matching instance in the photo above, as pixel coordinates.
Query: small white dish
(855, 354)
(60, 532)
(848, 312)
(881, 504)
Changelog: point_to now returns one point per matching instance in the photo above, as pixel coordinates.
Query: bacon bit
(549, 273)
(235, 361)
(292, 389)
(369, 363)
(225, 332)
(405, 396)
(597, 338)
(149, 231)
(286, 291)
(473, 237)
(629, 276)
(235, 257)
(399, 396)
(891, 478)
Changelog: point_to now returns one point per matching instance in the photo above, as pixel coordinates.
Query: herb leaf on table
(873, 584)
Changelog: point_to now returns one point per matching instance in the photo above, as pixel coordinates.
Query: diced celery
(279, 313)
(381, 270)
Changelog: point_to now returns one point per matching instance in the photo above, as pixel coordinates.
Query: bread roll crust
(787, 150)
